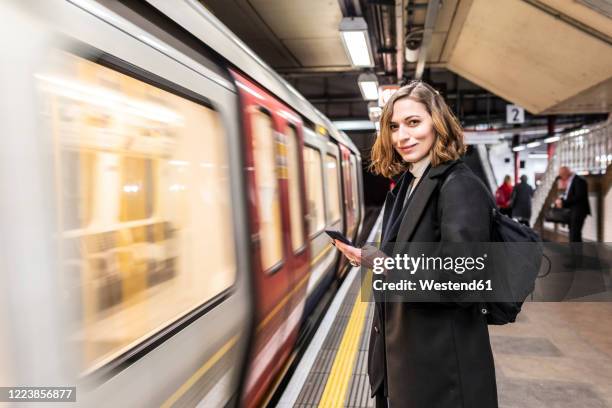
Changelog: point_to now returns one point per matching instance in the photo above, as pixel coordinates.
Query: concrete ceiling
(297, 36)
(525, 53)
(549, 56)
(287, 33)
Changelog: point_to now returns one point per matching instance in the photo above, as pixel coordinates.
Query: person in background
(521, 201)
(502, 195)
(576, 198)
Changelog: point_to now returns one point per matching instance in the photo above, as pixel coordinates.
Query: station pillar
(550, 147)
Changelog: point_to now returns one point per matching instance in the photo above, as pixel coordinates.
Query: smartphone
(338, 235)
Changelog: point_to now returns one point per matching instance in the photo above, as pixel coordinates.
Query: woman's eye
(413, 123)
(394, 126)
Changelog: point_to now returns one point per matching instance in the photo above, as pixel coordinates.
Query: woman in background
(503, 195)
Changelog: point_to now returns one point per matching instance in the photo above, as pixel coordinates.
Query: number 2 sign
(515, 114)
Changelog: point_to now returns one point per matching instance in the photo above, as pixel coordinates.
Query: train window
(333, 188)
(137, 180)
(354, 188)
(314, 190)
(348, 190)
(268, 193)
(140, 172)
(295, 196)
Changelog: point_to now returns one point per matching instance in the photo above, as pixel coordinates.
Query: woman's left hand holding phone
(353, 254)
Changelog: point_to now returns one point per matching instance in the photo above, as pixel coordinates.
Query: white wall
(501, 151)
(497, 154)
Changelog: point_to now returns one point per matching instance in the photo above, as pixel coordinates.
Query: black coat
(578, 198)
(521, 201)
(434, 355)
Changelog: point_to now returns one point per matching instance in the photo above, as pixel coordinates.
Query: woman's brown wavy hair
(386, 161)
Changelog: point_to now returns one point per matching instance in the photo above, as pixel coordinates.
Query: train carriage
(167, 219)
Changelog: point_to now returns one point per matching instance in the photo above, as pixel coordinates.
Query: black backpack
(526, 261)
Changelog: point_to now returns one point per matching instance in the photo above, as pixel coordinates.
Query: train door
(333, 192)
(131, 202)
(355, 196)
(322, 253)
(334, 214)
(273, 150)
(347, 188)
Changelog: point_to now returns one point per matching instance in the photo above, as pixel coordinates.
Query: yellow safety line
(340, 375)
(201, 371)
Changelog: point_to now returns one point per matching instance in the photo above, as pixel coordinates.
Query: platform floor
(557, 355)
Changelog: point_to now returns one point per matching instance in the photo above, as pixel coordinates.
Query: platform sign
(515, 114)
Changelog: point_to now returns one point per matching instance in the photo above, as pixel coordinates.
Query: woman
(424, 355)
(503, 195)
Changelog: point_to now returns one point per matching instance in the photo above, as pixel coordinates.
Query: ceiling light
(533, 144)
(374, 111)
(518, 148)
(552, 139)
(348, 125)
(368, 85)
(354, 33)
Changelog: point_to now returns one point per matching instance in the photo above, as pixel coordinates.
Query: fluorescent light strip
(354, 125)
(552, 139)
(357, 46)
(369, 90)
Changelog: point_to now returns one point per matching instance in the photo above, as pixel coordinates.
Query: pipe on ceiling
(388, 40)
(400, 42)
(430, 22)
(350, 8)
(357, 7)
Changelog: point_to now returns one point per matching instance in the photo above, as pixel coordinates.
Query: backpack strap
(451, 174)
(494, 211)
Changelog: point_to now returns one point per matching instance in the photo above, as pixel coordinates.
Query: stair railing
(585, 151)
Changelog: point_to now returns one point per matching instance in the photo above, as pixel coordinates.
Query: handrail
(584, 151)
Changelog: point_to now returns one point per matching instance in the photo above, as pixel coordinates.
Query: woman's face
(412, 130)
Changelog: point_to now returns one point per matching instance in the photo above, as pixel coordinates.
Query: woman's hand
(353, 254)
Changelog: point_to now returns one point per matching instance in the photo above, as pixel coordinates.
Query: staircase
(584, 151)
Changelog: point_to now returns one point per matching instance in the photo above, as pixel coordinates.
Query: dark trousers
(575, 227)
(380, 400)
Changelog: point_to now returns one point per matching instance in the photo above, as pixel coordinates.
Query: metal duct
(400, 43)
(430, 22)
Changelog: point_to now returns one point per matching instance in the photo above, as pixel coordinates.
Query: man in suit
(576, 198)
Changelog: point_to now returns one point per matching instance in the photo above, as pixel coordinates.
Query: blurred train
(164, 201)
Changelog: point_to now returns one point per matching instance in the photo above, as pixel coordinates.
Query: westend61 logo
(411, 264)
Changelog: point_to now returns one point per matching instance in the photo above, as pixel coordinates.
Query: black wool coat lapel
(413, 212)
(393, 207)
